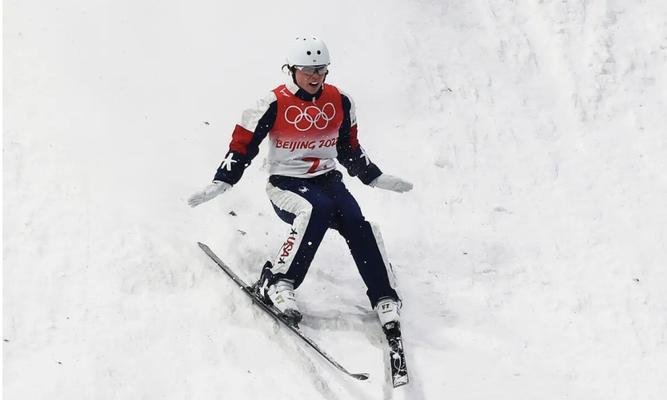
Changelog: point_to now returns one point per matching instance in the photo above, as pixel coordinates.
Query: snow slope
(530, 255)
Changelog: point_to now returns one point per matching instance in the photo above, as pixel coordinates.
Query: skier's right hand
(209, 192)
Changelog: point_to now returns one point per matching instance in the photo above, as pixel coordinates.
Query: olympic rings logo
(310, 117)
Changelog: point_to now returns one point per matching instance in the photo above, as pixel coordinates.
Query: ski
(273, 312)
(399, 370)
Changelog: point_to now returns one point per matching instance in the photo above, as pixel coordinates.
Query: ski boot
(279, 294)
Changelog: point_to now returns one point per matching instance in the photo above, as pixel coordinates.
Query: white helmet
(308, 50)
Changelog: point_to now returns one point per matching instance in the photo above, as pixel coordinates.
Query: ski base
(273, 312)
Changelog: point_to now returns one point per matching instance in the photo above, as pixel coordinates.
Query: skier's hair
(288, 67)
(291, 70)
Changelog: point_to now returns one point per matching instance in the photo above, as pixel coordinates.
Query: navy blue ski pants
(314, 205)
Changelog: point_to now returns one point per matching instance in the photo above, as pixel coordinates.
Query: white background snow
(531, 255)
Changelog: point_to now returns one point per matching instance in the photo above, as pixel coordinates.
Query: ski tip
(400, 381)
(361, 377)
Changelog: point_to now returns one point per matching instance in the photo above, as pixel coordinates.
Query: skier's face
(310, 79)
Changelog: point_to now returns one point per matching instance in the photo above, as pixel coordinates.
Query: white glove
(390, 182)
(209, 192)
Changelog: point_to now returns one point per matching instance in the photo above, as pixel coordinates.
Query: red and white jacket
(306, 133)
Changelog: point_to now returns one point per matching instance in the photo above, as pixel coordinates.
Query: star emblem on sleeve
(227, 162)
(364, 155)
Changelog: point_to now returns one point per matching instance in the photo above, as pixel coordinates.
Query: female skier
(310, 124)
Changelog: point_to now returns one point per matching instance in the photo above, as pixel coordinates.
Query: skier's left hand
(390, 182)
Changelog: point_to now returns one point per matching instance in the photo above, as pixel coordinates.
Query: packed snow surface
(531, 254)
